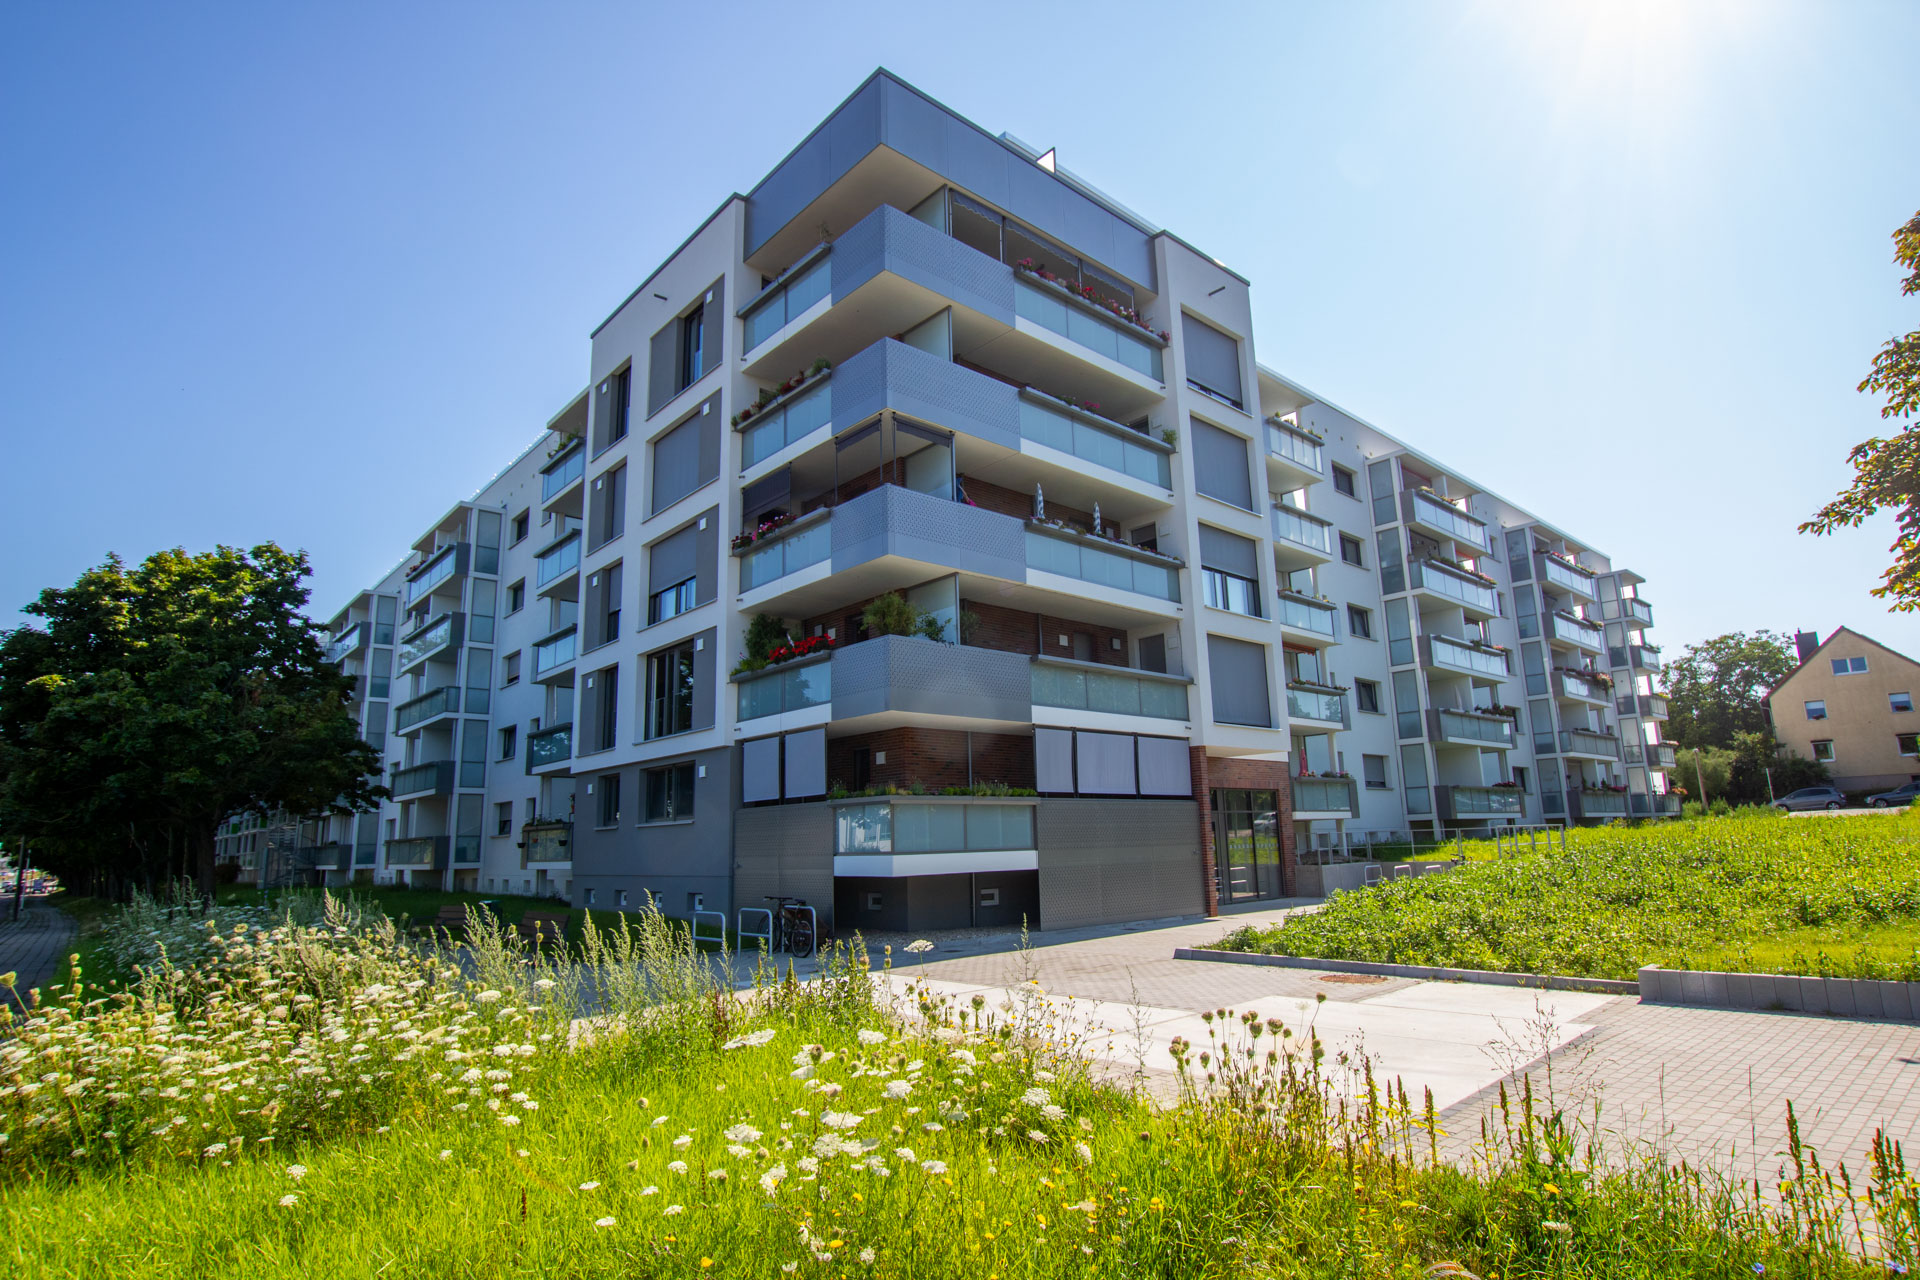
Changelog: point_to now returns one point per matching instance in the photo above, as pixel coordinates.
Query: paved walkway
(35, 947)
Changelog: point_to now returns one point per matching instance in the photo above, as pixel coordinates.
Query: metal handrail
(698, 916)
(765, 936)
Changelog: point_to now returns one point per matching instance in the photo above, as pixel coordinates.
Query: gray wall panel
(670, 859)
(785, 849)
(894, 521)
(1108, 861)
(911, 673)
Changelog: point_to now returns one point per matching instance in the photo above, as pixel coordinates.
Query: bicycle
(793, 926)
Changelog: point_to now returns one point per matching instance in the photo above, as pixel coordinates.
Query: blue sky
(312, 273)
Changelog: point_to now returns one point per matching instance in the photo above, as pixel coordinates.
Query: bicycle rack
(699, 937)
(813, 918)
(765, 936)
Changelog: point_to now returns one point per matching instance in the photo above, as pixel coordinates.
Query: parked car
(1906, 793)
(1812, 798)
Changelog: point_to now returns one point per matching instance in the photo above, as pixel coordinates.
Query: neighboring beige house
(1849, 705)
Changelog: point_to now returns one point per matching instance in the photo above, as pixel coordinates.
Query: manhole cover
(1352, 979)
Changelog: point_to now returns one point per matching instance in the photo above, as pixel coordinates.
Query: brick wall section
(1017, 631)
(1012, 502)
(1235, 773)
(935, 758)
(1197, 762)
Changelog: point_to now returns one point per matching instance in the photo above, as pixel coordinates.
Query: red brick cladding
(935, 758)
(1237, 773)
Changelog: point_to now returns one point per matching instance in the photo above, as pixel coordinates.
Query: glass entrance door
(1246, 844)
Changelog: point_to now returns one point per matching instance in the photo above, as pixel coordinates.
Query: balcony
(892, 678)
(1637, 657)
(1295, 453)
(428, 707)
(1652, 706)
(435, 778)
(1564, 628)
(1636, 612)
(1451, 585)
(1101, 561)
(791, 686)
(1086, 686)
(418, 853)
(933, 835)
(560, 478)
(553, 657)
(1566, 576)
(1316, 704)
(806, 283)
(550, 746)
(439, 636)
(347, 643)
(1298, 531)
(546, 842)
(1058, 311)
(1091, 438)
(437, 571)
(1480, 802)
(1324, 798)
(1664, 806)
(556, 570)
(800, 545)
(1464, 657)
(1588, 744)
(331, 856)
(1574, 687)
(1661, 755)
(1598, 806)
(1436, 516)
(1453, 727)
(789, 419)
(1307, 613)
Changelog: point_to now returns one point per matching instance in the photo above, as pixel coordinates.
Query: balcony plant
(767, 527)
(1088, 294)
(894, 615)
(767, 396)
(804, 647)
(1291, 425)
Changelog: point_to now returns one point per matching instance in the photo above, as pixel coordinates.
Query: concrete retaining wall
(1324, 881)
(1548, 982)
(1842, 997)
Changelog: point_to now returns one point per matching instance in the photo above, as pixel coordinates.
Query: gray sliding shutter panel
(671, 559)
(1163, 767)
(1213, 359)
(1106, 764)
(663, 367)
(676, 464)
(706, 557)
(807, 763)
(708, 425)
(1053, 760)
(713, 327)
(760, 770)
(1237, 671)
(1220, 465)
(1228, 553)
(704, 651)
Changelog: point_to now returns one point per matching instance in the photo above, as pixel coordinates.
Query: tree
(158, 701)
(1887, 472)
(1718, 688)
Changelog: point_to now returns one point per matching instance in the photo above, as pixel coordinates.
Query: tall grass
(682, 1129)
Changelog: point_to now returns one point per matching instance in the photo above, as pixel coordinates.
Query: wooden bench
(451, 920)
(539, 927)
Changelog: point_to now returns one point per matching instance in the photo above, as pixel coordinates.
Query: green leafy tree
(157, 701)
(1718, 688)
(1887, 471)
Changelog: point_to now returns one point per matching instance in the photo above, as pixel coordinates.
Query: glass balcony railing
(784, 688)
(775, 429)
(439, 702)
(788, 554)
(426, 853)
(1076, 688)
(1652, 706)
(1453, 584)
(1637, 610)
(1559, 573)
(1602, 804)
(434, 777)
(1285, 440)
(970, 826)
(353, 639)
(1661, 755)
(788, 300)
(1319, 705)
(546, 842)
(1458, 655)
(1573, 630)
(1446, 519)
(1094, 439)
(1323, 795)
(1070, 557)
(563, 472)
(549, 746)
(1578, 686)
(1665, 806)
(555, 652)
(440, 633)
(556, 562)
(1585, 742)
(1306, 613)
(448, 561)
(1292, 525)
(1486, 802)
(1050, 309)
(1472, 728)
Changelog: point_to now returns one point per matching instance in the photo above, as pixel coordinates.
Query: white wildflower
(677, 1166)
(872, 1037)
(589, 1186)
(287, 1202)
(752, 1040)
(935, 1167)
(742, 1133)
(296, 1171)
(671, 1210)
(604, 1222)
(839, 1119)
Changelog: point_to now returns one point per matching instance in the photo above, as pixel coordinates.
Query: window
(1343, 481)
(691, 329)
(503, 818)
(607, 506)
(685, 458)
(1366, 695)
(607, 788)
(670, 793)
(606, 707)
(1823, 750)
(1229, 591)
(619, 413)
(517, 596)
(522, 523)
(671, 602)
(685, 349)
(1230, 568)
(1213, 360)
(509, 741)
(1351, 551)
(1374, 770)
(1849, 666)
(1817, 709)
(1900, 701)
(1220, 465)
(1909, 743)
(670, 691)
(1360, 622)
(510, 669)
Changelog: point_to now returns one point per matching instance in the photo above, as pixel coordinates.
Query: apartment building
(1849, 705)
(1080, 614)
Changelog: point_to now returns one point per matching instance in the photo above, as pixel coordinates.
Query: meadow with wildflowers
(1836, 897)
(316, 1095)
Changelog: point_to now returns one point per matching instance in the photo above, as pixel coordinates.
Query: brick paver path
(36, 946)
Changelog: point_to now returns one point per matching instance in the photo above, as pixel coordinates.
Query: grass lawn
(1837, 896)
(409, 907)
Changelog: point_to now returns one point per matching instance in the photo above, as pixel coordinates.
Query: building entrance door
(1246, 844)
